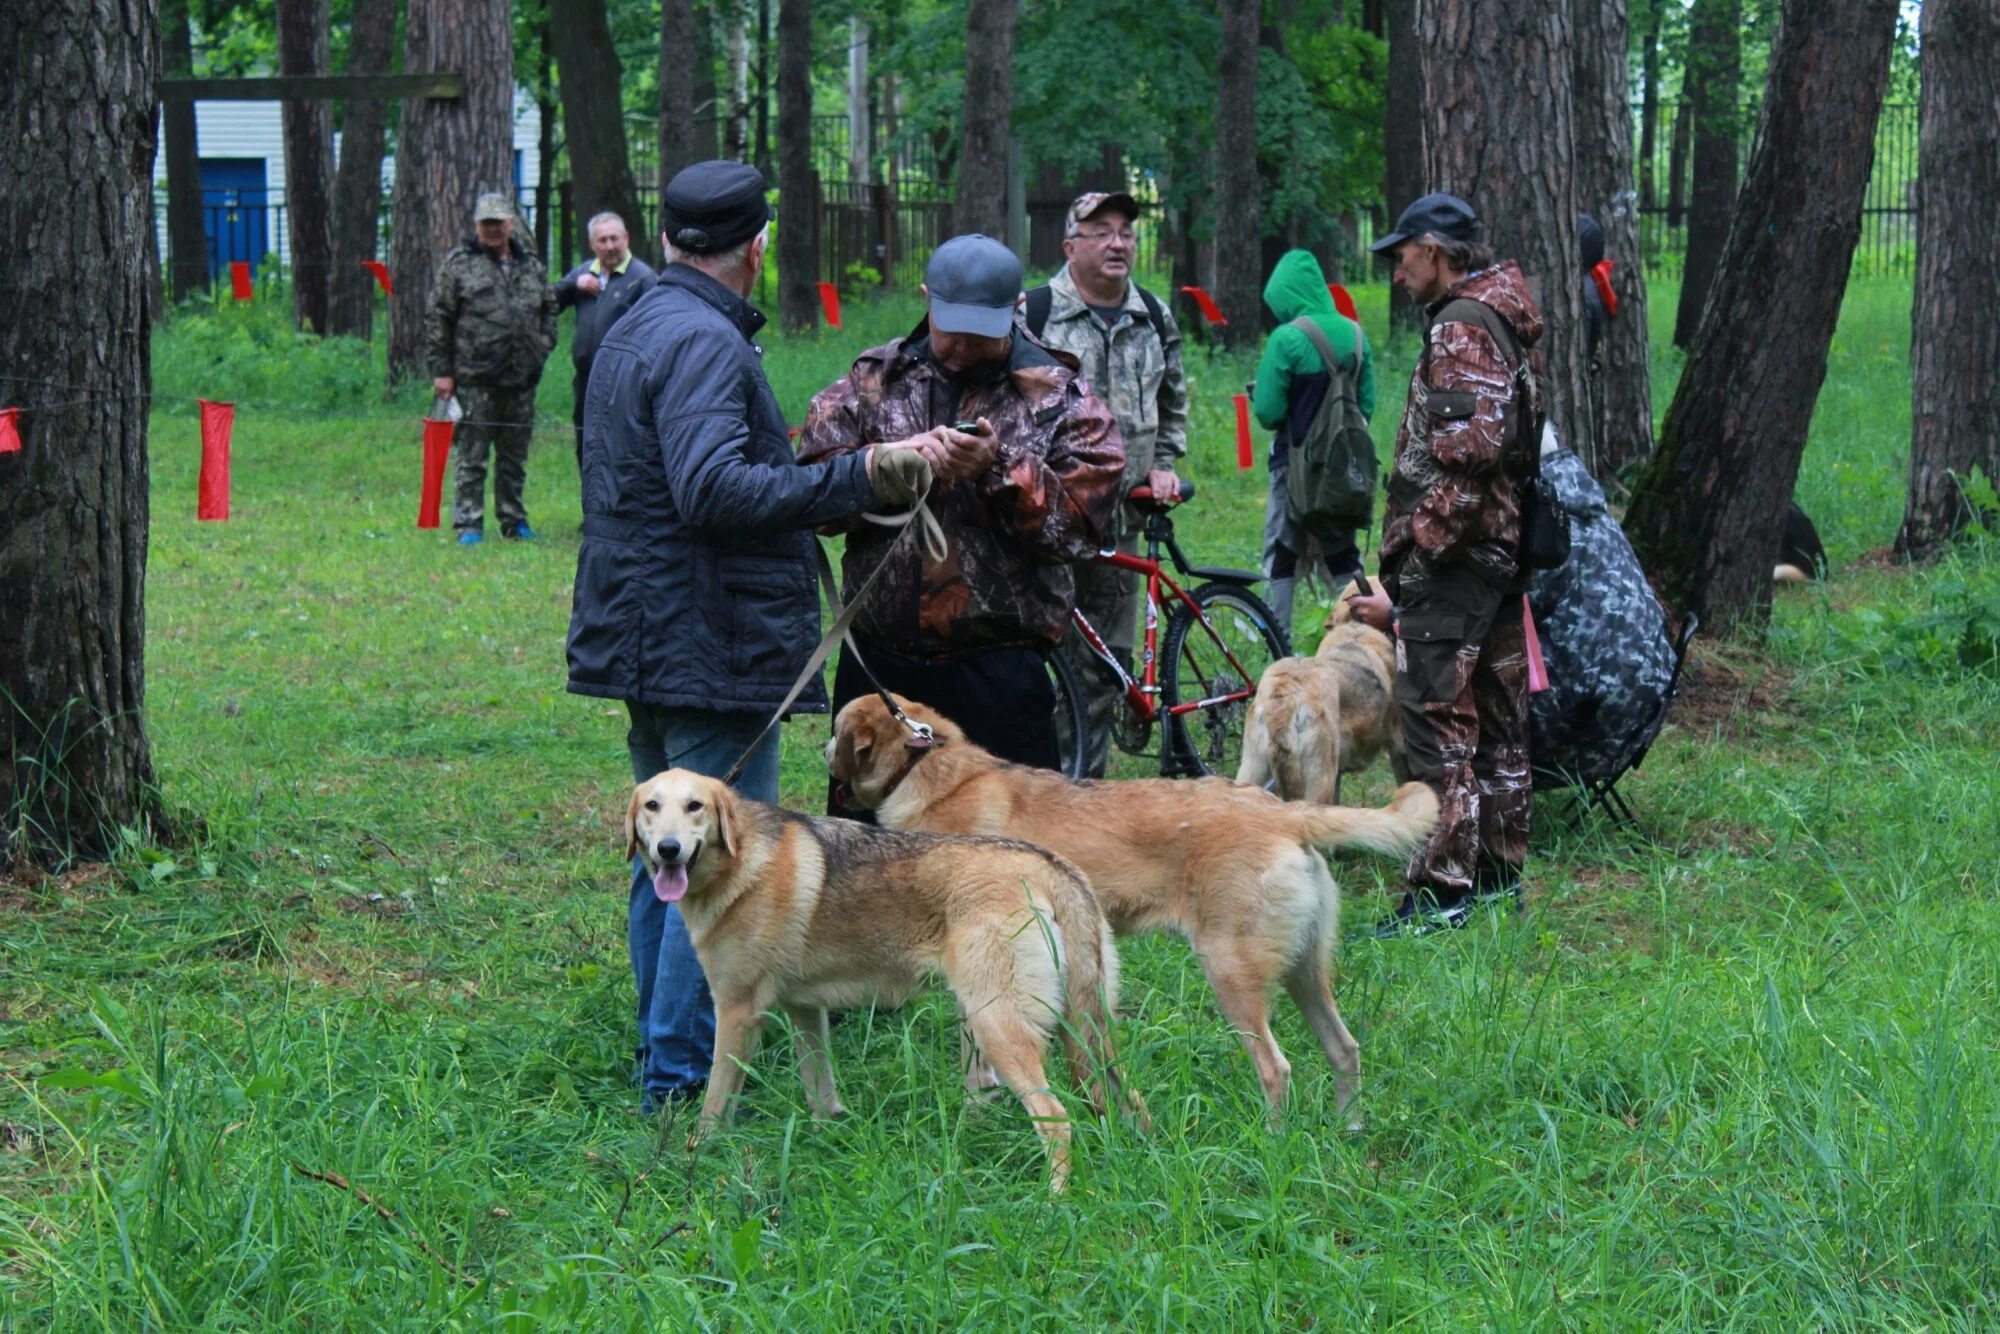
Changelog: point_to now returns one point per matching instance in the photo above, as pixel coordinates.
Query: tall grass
(1736, 1071)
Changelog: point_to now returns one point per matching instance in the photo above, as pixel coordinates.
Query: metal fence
(1888, 241)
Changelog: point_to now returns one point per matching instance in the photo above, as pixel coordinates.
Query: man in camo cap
(492, 323)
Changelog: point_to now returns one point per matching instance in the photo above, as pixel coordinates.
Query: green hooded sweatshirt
(1298, 287)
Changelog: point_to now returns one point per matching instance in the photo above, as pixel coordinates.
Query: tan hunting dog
(802, 914)
(1234, 870)
(1317, 718)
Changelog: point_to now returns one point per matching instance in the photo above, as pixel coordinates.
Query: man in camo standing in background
(1129, 351)
(492, 323)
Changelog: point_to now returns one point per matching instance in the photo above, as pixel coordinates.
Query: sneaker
(522, 534)
(471, 537)
(1419, 914)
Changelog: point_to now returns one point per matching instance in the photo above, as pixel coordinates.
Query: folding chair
(1602, 793)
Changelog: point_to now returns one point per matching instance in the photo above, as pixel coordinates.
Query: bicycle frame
(1141, 693)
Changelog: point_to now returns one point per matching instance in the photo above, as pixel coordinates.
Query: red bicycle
(1198, 681)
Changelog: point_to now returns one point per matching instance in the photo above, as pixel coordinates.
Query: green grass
(1735, 1073)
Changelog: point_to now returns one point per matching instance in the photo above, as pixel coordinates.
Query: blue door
(235, 207)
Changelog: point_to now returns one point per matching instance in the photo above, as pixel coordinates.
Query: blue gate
(235, 207)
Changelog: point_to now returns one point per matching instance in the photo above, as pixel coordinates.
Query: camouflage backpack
(1330, 484)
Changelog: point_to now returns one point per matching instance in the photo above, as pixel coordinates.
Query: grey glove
(899, 476)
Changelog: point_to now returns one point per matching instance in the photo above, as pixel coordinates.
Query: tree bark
(77, 88)
(736, 51)
(1649, 107)
(187, 237)
(680, 70)
(1677, 165)
(1402, 141)
(798, 233)
(552, 220)
(357, 188)
(1955, 340)
(1710, 504)
(1714, 71)
(447, 153)
(303, 48)
(594, 119)
(763, 147)
(979, 195)
(1239, 230)
(1622, 389)
(1500, 133)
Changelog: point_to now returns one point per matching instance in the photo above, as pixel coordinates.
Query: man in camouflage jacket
(1128, 350)
(492, 323)
(1450, 560)
(1020, 500)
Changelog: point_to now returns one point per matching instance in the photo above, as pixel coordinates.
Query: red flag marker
(239, 279)
(1343, 301)
(1246, 456)
(1538, 672)
(1600, 273)
(381, 272)
(10, 430)
(1209, 310)
(212, 494)
(437, 449)
(829, 302)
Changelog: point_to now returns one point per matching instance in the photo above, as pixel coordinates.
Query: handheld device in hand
(1361, 582)
(967, 428)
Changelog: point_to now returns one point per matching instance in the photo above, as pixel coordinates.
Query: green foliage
(1732, 1070)
(249, 353)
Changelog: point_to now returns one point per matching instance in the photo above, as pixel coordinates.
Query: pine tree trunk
(308, 129)
(594, 119)
(1622, 387)
(798, 227)
(1677, 165)
(1714, 71)
(1239, 230)
(447, 153)
(357, 187)
(1649, 107)
(1955, 342)
(78, 82)
(551, 215)
(979, 194)
(736, 52)
(1710, 504)
(1500, 133)
(187, 237)
(680, 71)
(762, 156)
(1402, 141)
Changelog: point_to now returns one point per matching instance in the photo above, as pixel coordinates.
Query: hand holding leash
(900, 475)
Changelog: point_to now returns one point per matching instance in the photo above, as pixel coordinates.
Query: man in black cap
(695, 599)
(1451, 560)
(1033, 488)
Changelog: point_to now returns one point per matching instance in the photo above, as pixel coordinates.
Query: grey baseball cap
(1440, 214)
(974, 282)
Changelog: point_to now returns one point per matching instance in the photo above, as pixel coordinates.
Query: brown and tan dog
(1317, 718)
(801, 914)
(1233, 869)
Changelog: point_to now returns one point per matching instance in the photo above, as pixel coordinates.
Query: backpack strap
(1465, 310)
(1040, 300)
(1154, 312)
(1310, 328)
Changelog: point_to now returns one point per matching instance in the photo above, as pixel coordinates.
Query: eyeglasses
(1128, 236)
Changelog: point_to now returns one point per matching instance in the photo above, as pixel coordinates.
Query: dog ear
(632, 824)
(723, 798)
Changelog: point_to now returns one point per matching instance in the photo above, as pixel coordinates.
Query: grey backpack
(1330, 483)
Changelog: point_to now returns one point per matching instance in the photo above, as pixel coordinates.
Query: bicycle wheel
(1219, 657)
(1071, 719)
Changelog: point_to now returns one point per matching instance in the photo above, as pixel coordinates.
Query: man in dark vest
(601, 291)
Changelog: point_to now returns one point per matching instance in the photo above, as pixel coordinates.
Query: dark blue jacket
(695, 584)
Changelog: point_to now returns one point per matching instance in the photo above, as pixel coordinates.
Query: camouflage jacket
(1010, 534)
(1453, 488)
(1133, 368)
(490, 327)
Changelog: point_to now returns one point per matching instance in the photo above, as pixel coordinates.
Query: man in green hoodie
(1292, 383)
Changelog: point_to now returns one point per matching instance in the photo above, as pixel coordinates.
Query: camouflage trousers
(1109, 599)
(501, 420)
(1462, 688)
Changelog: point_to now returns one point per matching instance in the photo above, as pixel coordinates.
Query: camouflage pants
(1462, 688)
(1109, 599)
(502, 420)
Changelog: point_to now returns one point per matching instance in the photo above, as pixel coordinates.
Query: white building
(242, 150)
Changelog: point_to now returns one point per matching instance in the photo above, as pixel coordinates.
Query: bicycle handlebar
(1143, 495)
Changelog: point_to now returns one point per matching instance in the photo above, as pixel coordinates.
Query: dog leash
(920, 520)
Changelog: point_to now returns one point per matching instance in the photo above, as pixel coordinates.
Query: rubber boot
(1278, 597)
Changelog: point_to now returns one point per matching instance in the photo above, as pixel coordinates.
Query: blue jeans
(676, 1016)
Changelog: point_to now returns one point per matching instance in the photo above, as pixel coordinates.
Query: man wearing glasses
(1129, 353)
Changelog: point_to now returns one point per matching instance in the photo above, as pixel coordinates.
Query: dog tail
(1394, 831)
(1090, 996)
